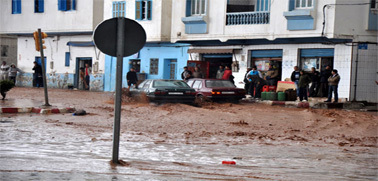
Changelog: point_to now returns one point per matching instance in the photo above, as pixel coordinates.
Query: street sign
(363, 46)
(119, 37)
(105, 37)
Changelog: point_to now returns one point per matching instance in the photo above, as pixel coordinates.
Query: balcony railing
(248, 18)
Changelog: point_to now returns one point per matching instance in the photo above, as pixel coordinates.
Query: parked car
(165, 91)
(216, 89)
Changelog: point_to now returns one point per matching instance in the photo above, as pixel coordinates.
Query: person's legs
(258, 91)
(13, 79)
(87, 81)
(305, 93)
(336, 93)
(296, 87)
(300, 93)
(329, 94)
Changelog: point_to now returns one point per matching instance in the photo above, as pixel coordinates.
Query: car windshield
(169, 83)
(218, 83)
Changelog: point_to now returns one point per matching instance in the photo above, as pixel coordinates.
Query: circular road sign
(105, 37)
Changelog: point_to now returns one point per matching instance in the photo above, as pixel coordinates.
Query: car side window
(200, 85)
(197, 84)
(190, 82)
(147, 84)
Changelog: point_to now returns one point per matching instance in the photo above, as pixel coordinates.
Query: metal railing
(248, 18)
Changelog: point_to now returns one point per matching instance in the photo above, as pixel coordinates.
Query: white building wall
(157, 29)
(55, 52)
(51, 20)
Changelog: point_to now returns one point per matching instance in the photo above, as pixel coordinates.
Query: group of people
(9, 72)
(85, 73)
(223, 73)
(323, 84)
(254, 80)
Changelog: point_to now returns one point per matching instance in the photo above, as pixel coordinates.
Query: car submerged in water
(216, 90)
(163, 90)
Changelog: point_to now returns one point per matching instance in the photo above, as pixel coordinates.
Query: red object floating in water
(229, 162)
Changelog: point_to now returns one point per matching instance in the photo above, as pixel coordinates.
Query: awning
(211, 51)
(80, 43)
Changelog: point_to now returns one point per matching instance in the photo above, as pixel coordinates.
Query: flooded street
(33, 149)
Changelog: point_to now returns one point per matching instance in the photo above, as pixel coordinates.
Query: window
(303, 4)
(197, 84)
(67, 63)
(16, 6)
(198, 7)
(66, 5)
(135, 64)
(38, 6)
(143, 9)
(119, 9)
(4, 50)
(154, 66)
(373, 4)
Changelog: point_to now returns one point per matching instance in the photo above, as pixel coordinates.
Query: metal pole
(355, 77)
(43, 68)
(117, 109)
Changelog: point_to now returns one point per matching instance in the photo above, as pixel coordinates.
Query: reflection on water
(39, 151)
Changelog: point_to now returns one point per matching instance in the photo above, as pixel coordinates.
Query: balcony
(248, 18)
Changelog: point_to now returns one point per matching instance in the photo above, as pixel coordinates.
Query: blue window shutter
(67, 64)
(114, 9)
(327, 52)
(266, 53)
(62, 5)
(138, 10)
(266, 5)
(73, 4)
(149, 11)
(291, 5)
(16, 6)
(42, 6)
(188, 8)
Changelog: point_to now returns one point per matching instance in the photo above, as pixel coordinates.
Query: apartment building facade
(69, 25)
(285, 33)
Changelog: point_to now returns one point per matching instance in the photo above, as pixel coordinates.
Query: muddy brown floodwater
(172, 141)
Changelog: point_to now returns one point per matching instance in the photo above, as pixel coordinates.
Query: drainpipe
(355, 77)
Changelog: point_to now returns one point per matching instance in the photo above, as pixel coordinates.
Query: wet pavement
(32, 149)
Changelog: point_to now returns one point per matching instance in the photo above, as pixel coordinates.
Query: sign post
(111, 37)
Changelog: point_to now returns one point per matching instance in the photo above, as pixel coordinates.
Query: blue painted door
(170, 69)
(39, 62)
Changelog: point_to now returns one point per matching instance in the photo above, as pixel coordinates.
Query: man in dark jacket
(185, 73)
(315, 78)
(295, 78)
(132, 78)
(304, 81)
(323, 88)
(37, 76)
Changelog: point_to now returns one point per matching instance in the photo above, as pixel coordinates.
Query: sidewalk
(31, 106)
(316, 103)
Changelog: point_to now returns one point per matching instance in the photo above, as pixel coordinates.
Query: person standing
(254, 78)
(4, 71)
(227, 75)
(295, 78)
(37, 76)
(333, 83)
(272, 76)
(132, 78)
(88, 72)
(323, 88)
(185, 73)
(13, 73)
(82, 84)
(247, 84)
(197, 73)
(315, 81)
(220, 72)
(303, 82)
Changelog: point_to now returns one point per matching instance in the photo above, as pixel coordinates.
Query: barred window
(154, 66)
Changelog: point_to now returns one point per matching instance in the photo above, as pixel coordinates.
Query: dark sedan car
(216, 89)
(165, 91)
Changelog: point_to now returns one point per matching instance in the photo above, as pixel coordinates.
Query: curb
(12, 110)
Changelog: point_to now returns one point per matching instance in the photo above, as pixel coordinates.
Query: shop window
(143, 10)
(66, 5)
(39, 6)
(119, 9)
(299, 4)
(318, 58)
(16, 6)
(135, 63)
(154, 66)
